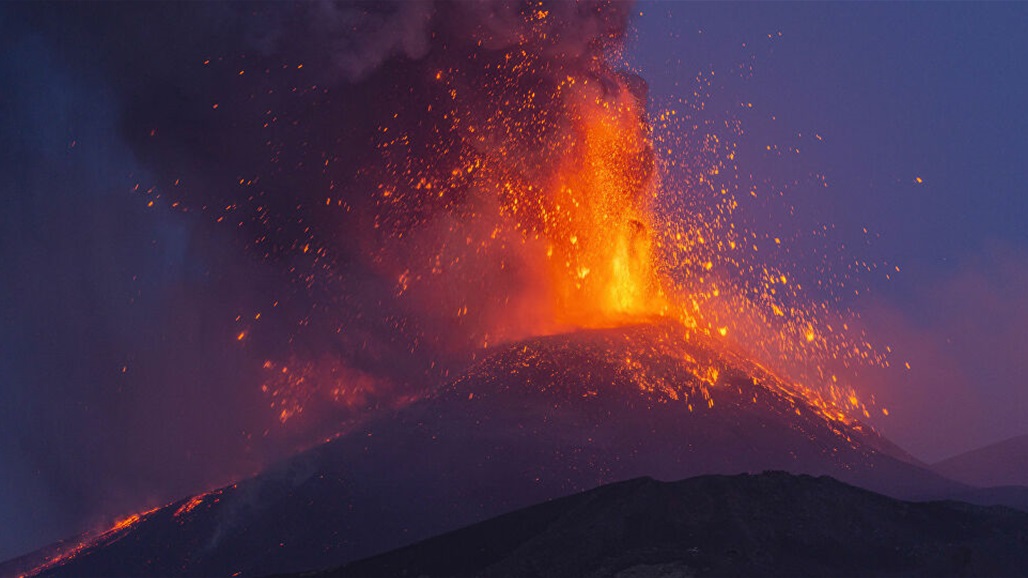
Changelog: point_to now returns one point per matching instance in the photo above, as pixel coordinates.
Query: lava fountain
(511, 190)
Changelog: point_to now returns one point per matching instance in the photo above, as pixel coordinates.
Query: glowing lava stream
(122, 527)
(112, 534)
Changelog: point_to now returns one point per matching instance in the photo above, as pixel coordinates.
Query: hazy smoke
(264, 135)
(360, 38)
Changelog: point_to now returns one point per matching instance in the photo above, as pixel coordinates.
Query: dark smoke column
(424, 179)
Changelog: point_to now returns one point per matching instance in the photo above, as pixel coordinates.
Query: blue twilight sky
(896, 91)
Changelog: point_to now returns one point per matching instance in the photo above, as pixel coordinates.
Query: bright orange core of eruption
(596, 218)
(524, 206)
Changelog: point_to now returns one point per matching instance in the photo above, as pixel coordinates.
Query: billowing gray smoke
(135, 338)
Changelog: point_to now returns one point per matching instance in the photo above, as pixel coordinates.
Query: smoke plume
(234, 226)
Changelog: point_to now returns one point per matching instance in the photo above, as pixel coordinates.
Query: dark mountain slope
(773, 524)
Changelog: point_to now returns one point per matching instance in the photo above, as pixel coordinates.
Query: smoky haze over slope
(289, 226)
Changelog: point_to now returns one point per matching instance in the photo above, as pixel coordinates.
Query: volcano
(456, 236)
(529, 421)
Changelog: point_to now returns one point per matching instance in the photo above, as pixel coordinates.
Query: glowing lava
(597, 220)
(117, 531)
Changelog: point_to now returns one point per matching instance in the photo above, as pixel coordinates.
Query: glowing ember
(293, 386)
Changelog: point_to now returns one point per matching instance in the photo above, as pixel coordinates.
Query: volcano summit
(530, 421)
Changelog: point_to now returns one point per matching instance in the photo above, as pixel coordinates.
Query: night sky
(124, 383)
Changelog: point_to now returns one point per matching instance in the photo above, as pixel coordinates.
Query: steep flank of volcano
(529, 422)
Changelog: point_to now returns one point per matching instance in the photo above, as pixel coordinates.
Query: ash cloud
(257, 132)
(275, 118)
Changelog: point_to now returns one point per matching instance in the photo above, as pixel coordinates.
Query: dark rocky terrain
(772, 524)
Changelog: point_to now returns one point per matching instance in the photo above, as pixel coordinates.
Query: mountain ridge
(774, 524)
(1004, 463)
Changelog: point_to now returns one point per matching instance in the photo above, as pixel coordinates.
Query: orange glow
(595, 216)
